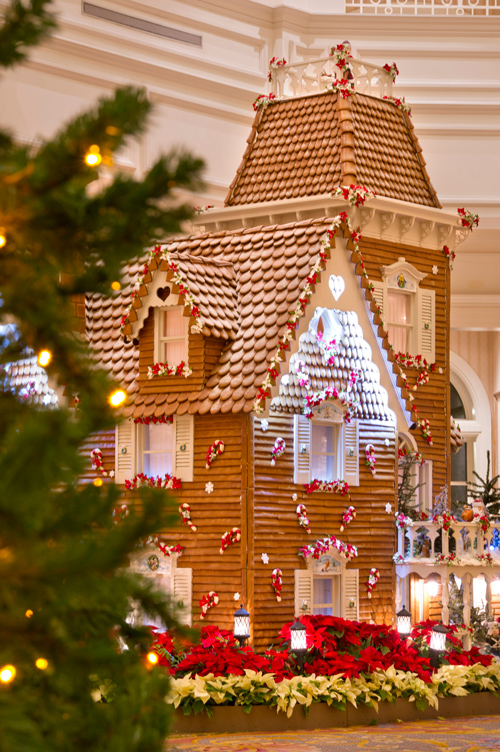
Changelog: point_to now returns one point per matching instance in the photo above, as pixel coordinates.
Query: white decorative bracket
(426, 227)
(405, 225)
(386, 220)
(444, 232)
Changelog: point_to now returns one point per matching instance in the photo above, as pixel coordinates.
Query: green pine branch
(24, 25)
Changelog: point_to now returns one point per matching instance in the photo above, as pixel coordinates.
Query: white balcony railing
(424, 7)
(417, 544)
(297, 79)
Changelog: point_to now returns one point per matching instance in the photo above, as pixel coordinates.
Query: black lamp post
(241, 625)
(438, 644)
(403, 622)
(298, 642)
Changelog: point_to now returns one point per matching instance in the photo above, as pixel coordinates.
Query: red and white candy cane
(302, 517)
(185, 513)
(233, 536)
(277, 578)
(213, 451)
(208, 601)
(347, 517)
(97, 464)
(373, 578)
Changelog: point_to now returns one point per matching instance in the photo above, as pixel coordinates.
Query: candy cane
(277, 450)
(208, 601)
(370, 457)
(213, 451)
(97, 463)
(302, 517)
(185, 513)
(347, 517)
(277, 578)
(233, 536)
(373, 578)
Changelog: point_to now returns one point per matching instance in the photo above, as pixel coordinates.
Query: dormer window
(156, 448)
(171, 335)
(407, 309)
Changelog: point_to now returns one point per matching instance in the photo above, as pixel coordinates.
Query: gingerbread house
(278, 358)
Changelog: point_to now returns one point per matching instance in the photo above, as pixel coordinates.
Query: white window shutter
(351, 594)
(426, 324)
(124, 451)
(302, 449)
(184, 447)
(380, 294)
(303, 591)
(351, 453)
(183, 595)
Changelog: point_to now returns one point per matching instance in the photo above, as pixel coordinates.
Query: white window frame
(128, 455)
(178, 583)
(348, 591)
(347, 439)
(160, 338)
(424, 499)
(422, 327)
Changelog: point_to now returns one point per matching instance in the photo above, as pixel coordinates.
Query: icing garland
(159, 255)
(169, 419)
(400, 104)
(274, 64)
(185, 513)
(208, 601)
(97, 463)
(213, 452)
(323, 545)
(373, 578)
(301, 512)
(277, 450)
(341, 54)
(398, 559)
(404, 452)
(392, 70)
(203, 209)
(485, 559)
(233, 536)
(145, 481)
(328, 486)
(468, 219)
(277, 580)
(342, 86)
(163, 369)
(263, 101)
(168, 551)
(347, 517)
(329, 349)
(370, 458)
(356, 195)
(447, 559)
(415, 361)
(346, 398)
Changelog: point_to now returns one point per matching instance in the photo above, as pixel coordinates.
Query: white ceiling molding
(475, 312)
(141, 24)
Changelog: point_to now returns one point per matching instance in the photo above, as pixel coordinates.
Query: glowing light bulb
(98, 482)
(29, 613)
(152, 658)
(7, 673)
(93, 156)
(41, 663)
(116, 286)
(118, 398)
(432, 588)
(3, 239)
(44, 358)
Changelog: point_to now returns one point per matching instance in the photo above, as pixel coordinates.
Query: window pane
(174, 323)
(459, 495)
(398, 337)
(459, 465)
(322, 438)
(157, 464)
(174, 352)
(322, 467)
(456, 404)
(398, 308)
(158, 437)
(322, 590)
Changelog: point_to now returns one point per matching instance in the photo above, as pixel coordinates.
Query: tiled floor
(479, 734)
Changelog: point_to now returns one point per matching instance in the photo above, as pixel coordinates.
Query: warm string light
(118, 398)
(7, 673)
(152, 658)
(93, 156)
(41, 663)
(116, 286)
(29, 613)
(3, 239)
(44, 358)
(97, 482)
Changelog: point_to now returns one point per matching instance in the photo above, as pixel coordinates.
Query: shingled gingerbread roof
(270, 265)
(311, 145)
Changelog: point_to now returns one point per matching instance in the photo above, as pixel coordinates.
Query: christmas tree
(73, 673)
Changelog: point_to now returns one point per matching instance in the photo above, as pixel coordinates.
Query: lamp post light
(403, 623)
(241, 625)
(298, 642)
(438, 644)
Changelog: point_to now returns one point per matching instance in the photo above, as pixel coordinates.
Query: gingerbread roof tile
(264, 298)
(311, 145)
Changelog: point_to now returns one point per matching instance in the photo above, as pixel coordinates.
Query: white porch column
(445, 612)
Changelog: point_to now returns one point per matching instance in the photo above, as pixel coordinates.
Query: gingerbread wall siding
(278, 533)
(105, 441)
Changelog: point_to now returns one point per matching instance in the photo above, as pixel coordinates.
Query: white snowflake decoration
(236, 597)
(111, 473)
(388, 508)
(209, 487)
(264, 424)
(387, 442)
(435, 269)
(265, 558)
(294, 497)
